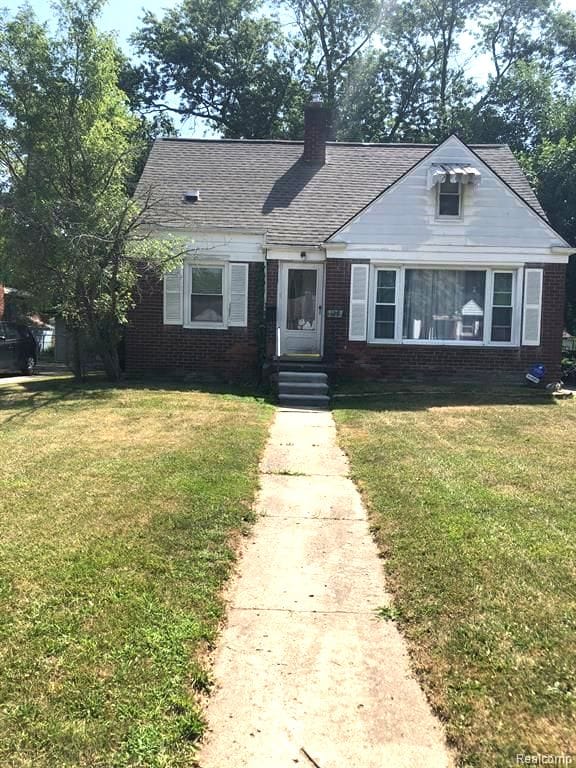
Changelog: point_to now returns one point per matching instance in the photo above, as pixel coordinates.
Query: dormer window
(448, 181)
(449, 199)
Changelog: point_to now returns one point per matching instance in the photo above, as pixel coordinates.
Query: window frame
(376, 304)
(399, 296)
(187, 306)
(446, 216)
(400, 269)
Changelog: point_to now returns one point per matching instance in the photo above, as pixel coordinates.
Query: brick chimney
(316, 132)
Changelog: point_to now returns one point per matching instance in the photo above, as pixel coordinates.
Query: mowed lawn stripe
(473, 504)
(118, 509)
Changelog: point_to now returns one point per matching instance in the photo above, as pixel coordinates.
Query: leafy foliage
(224, 63)
(69, 147)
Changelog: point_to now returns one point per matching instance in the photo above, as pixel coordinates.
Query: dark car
(18, 348)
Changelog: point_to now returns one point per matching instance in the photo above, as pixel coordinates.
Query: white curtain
(444, 304)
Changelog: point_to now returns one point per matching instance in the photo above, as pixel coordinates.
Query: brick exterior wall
(357, 359)
(237, 353)
(233, 354)
(271, 307)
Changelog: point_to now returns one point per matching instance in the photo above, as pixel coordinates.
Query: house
(380, 260)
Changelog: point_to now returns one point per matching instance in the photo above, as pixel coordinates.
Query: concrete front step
(306, 401)
(298, 388)
(303, 377)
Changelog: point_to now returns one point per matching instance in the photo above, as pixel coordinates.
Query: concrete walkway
(307, 674)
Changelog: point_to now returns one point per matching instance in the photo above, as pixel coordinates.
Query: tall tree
(224, 62)
(332, 34)
(68, 151)
(412, 87)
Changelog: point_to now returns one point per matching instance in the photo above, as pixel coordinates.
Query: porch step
(295, 388)
(302, 377)
(308, 388)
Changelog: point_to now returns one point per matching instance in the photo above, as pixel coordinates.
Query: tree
(332, 34)
(412, 88)
(68, 152)
(551, 168)
(220, 61)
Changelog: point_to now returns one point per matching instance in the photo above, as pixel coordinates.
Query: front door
(300, 291)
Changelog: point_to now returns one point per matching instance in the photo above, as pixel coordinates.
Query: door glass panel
(301, 315)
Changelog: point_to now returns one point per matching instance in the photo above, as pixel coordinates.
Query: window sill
(205, 326)
(448, 220)
(439, 343)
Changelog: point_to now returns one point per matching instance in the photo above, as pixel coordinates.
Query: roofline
(299, 142)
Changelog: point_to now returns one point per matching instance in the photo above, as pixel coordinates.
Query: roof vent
(191, 197)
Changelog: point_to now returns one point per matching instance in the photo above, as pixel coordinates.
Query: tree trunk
(78, 361)
(110, 361)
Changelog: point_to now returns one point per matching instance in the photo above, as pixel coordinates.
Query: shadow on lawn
(421, 398)
(37, 393)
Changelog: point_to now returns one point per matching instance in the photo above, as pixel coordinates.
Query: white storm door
(300, 291)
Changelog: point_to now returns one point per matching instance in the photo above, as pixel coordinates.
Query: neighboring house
(380, 261)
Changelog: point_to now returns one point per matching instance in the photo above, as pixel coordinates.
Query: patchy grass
(473, 497)
(118, 511)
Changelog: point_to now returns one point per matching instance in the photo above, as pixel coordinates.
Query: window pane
(444, 305)
(385, 322)
(502, 290)
(501, 324)
(386, 287)
(206, 309)
(449, 205)
(450, 187)
(301, 315)
(503, 282)
(207, 280)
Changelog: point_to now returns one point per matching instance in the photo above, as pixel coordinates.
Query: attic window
(449, 201)
(191, 196)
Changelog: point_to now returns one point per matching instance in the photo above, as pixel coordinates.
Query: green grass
(119, 512)
(473, 499)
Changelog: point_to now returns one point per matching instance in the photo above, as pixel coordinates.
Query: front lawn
(118, 512)
(473, 501)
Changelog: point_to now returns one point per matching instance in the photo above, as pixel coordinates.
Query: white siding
(404, 218)
(220, 245)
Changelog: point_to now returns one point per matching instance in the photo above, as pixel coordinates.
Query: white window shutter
(533, 279)
(238, 308)
(358, 302)
(173, 297)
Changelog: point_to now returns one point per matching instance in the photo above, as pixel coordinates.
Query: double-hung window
(207, 295)
(449, 201)
(206, 285)
(385, 311)
(502, 306)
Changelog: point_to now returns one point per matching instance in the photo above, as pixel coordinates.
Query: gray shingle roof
(265, 186)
